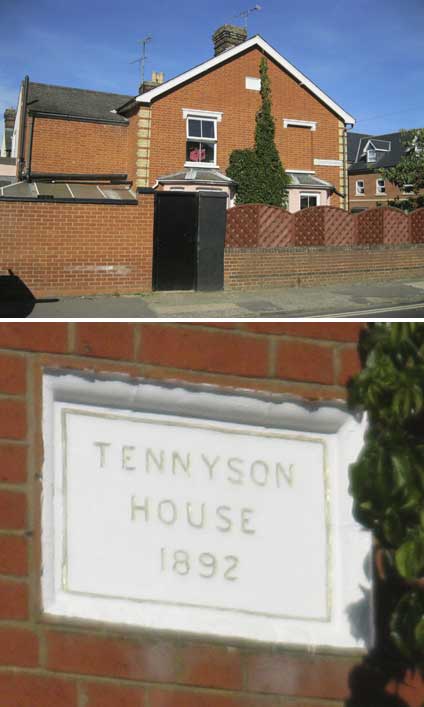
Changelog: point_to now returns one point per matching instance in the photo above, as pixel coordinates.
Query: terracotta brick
(13, 600)
(186, 347)
(197, 698)
(12, 374)
(13, 510)
(211, 666)
(299, 676)
(13, 459)
(34, 337)
(349, 364)
(24, 690)
(114, 657)
(106, 340)
(13, 555)
(333, 331)
(12, 419)
(18, 647)
(107, 695)
(305, 362)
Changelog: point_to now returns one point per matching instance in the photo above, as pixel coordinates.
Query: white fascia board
(16, 136)
(255, 41)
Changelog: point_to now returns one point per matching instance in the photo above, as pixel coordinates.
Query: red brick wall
(223, 89)
(307, 267)
(78, 248)
(71, 664)
(71, 146)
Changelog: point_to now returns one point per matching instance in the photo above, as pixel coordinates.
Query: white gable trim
(256, 41)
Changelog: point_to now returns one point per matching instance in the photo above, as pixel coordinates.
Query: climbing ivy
(387, 480)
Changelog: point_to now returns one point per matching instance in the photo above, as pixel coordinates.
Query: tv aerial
(142, 60)
(245, 14)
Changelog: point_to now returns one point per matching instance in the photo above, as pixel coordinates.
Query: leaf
(409, 558)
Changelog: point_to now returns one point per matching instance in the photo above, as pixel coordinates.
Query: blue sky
(368, 55)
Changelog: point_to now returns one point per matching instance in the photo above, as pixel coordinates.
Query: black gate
(189, 238)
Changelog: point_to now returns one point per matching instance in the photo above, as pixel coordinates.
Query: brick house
(179, 134)
(367, 154)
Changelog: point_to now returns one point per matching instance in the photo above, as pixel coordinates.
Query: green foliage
(258, 171)
(387, 481)
(408, 205)
(241, 168)
(410, 168)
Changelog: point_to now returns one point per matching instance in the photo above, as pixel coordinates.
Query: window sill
(202, 165)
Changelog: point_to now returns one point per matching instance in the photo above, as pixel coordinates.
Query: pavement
(284, 302)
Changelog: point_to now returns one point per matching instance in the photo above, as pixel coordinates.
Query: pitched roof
(197, 175)
(357, 143)
(76, 103)
(256, 41)
(300, 179)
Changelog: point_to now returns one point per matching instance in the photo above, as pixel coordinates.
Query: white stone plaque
(200, 511)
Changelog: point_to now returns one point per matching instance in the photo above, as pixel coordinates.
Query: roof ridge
(74, 88)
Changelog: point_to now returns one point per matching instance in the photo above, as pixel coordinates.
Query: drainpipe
(22, 128)
(29, 157)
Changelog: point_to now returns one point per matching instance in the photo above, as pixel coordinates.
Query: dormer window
(201, 137)
(371, 155)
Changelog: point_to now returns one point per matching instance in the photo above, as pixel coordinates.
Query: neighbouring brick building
(72, 663)
(179, 134)
(367, 154)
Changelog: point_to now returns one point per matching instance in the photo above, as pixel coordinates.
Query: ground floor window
(307, 200)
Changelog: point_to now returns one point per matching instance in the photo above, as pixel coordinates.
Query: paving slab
(283, 302)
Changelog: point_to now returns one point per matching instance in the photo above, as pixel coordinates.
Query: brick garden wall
(269, 247)
(64, 248)
(71, 664)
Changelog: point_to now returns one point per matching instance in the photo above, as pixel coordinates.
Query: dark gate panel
(175, 241)
(211, 235)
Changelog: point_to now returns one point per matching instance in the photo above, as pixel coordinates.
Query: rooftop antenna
(142, 60)
(245, 14)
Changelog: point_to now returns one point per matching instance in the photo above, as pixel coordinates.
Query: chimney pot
(158, 77)
(227, 37)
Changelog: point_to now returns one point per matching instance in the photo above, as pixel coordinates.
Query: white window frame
(295, 123)
(357, 187)
(371, 151)
(380, 186)
(196, 114)
(408, 192)
(315, 194)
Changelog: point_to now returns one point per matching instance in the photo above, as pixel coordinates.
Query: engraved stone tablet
(200, 511)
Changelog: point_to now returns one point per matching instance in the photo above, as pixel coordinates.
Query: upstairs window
(201, 138)
(360, 187)
(380, 186)
(371, 155)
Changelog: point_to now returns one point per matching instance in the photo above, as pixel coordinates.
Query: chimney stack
(158, 77)
(9, 118)
(227, 37)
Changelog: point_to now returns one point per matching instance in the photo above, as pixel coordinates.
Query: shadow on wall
(16, 299)
(379, 680)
